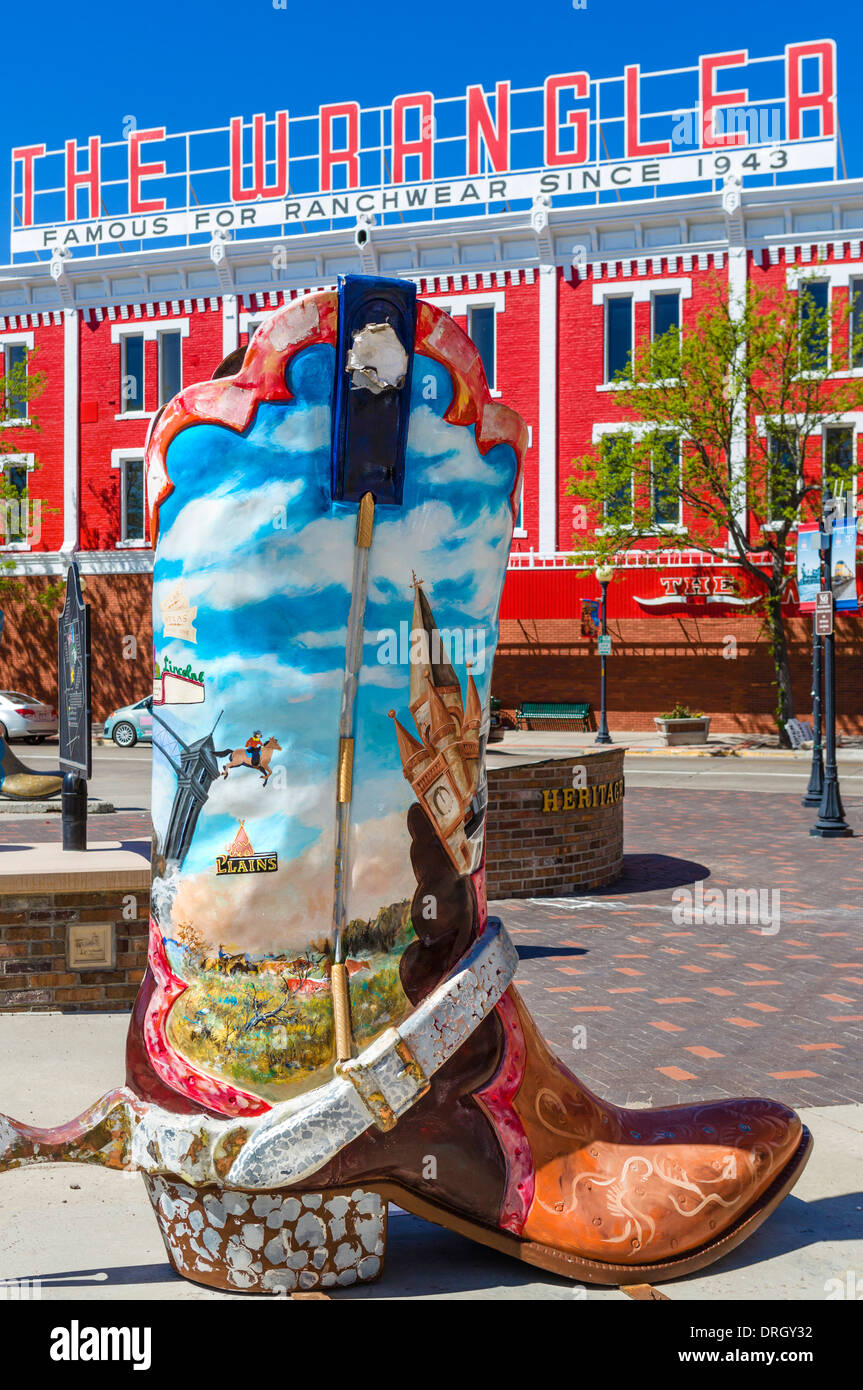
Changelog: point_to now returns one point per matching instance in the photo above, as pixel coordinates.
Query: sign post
(604, 574)
(76, 744)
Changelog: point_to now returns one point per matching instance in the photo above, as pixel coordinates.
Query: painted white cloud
(433, 438)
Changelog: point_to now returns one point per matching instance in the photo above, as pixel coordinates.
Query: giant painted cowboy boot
(329, 1022)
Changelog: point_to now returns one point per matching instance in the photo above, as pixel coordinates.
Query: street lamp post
(604, 574)
(831, 823)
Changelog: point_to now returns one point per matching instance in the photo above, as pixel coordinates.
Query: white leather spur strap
(292, 1141)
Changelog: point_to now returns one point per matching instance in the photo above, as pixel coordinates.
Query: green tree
(20, 385)
(714, 453)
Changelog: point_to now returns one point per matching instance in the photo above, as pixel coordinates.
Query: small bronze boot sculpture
(328, 1022)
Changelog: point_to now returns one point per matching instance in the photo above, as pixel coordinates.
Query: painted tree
(721, 448)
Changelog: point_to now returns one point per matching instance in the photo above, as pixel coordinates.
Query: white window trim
(150, 330)
(519, 533)
(27, 461)
(638, 429)
(618, 294)
(457, 306)
(838, 276)
(642, 290)
(251, 320)
(24, 339)
(639, 292)
(159, 343)
(119, 459)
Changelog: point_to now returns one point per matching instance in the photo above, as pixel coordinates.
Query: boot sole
(595, 1271)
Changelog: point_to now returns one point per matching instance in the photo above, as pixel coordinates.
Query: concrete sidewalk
(649, 744)
(85, 1233)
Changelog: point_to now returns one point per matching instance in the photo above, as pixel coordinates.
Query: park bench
(530, 714)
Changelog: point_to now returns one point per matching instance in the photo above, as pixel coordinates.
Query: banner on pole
(844, 565)
(808, 565)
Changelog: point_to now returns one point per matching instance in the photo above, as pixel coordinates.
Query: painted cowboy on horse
(256, 754)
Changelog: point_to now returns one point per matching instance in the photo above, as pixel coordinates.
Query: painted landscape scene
(266, 1023)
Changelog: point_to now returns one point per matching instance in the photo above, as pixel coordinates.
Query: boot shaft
(323, 653)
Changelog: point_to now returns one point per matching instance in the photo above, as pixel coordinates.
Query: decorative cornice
(839, 200)
(44, 562)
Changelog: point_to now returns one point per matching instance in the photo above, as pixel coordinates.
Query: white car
(23, 717)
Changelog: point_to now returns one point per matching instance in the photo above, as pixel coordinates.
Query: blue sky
(193, 66)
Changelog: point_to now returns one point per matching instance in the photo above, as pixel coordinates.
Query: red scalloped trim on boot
(177, 1071)
(496, 1099)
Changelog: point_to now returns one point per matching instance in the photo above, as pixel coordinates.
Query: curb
(846, 755)
(54, 807)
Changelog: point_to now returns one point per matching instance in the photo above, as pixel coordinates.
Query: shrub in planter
(682, 725)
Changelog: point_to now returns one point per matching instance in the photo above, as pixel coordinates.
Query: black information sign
(73, 668)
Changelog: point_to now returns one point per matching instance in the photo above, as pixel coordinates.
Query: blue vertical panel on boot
(370, 428)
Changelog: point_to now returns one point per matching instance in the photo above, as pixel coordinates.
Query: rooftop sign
(573, 139)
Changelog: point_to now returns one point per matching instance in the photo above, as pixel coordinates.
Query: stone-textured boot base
(271, 1242)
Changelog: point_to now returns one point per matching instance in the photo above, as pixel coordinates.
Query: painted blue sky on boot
(267, 560)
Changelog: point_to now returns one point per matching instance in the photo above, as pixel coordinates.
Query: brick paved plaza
(675, 1013)
(649, 1012)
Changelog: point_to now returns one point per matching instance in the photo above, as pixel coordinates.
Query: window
(839, 475)
(14, 367)
(781, 477)
(170, 366)
(665, 482)
(856, 323)
(616, 454)
(17, 527)
(666, 313)
(618, 334)
(814, 330)
(132, 384)
(480, 327)
(665, 319)
(132, 508)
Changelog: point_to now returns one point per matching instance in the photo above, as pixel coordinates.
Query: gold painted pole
(344, 779)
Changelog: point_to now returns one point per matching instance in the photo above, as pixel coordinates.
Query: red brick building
(551, 293)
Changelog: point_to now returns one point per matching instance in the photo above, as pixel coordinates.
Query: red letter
(823, 100)
(479, 123)
(634, 148)
(139, 171)
(712, 101)
(89, 177)
(580, 84)
(424, 103)
(260, 188)
(349, 153)
(27, 154)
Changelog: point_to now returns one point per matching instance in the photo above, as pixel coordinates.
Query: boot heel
(271, 1242)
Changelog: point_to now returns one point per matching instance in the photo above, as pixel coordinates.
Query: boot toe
(666, 1183)
(708, 1166)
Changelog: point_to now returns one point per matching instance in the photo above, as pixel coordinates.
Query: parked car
(130, 725)
(21, 716)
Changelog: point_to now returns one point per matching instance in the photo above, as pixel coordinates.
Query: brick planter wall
(531, 852)
(34, 975)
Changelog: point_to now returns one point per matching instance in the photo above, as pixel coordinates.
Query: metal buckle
(388, 1078)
